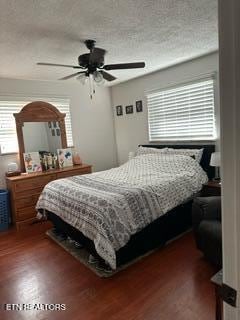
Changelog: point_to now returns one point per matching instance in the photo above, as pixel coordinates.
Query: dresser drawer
(66, 174)
(33, 183)
(31, 200)
(26, 213)
(28, 193)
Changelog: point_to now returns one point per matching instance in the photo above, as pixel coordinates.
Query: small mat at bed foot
(82, 255)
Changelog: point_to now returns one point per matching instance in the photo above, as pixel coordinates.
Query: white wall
(132, 129)
(92, 120)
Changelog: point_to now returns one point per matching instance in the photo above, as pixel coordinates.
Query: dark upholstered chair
(206, 217)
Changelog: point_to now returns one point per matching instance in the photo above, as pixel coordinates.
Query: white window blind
(8, 135)
(185, 112)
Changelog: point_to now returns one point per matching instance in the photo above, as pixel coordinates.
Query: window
(184, 112)
(8, 135)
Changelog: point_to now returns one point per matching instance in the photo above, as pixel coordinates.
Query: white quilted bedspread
(110, 206)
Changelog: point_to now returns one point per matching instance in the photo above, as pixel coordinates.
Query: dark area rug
(82, 255)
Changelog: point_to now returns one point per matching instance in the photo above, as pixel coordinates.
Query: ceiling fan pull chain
(90, 86)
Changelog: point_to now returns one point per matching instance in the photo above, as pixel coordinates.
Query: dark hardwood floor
(172, 283)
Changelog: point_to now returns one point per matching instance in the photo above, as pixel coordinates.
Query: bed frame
(156, 234)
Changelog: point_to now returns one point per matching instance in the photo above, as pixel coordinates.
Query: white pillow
(196, 153)
(131, 155)
(144, 150)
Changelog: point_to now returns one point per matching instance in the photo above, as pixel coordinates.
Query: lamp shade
(215, 159)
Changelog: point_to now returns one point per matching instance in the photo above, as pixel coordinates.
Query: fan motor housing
(83, 61)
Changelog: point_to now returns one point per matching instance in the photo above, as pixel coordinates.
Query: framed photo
(54, 124)
(58, 132)
(139, 106)
(53, 132)
(32, 162)
(119, 110)
(129, 109)
(64, 157)
(49, 125)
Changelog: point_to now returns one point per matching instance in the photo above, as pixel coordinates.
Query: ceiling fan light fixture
(82, 78)
(98, 77)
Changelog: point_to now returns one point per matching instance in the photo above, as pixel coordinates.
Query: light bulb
(98, 77)
(82, 78)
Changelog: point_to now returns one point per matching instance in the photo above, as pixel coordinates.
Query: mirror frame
(38, 111)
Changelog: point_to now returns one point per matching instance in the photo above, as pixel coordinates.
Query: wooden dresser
(26, 188)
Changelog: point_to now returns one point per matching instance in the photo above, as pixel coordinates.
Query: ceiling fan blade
(72, 75)
(107, 76)
(58, 65)
(97, 55)
(124, 66)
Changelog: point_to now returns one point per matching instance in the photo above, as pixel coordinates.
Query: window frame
(212, 76)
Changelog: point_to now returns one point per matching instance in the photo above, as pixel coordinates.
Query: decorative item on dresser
(26, 188)
(212, 188)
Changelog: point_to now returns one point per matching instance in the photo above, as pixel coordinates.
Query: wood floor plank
(172, 283)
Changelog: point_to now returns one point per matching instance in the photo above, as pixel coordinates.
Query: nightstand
(211, 188)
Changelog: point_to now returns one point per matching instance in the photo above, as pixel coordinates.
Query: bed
(136, 219)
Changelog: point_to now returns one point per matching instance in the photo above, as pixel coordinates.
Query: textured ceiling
(160, 32)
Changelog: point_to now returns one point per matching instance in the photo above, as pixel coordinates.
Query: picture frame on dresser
(32, 162)
(64, 157)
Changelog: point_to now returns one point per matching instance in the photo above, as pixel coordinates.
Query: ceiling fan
(92, 64)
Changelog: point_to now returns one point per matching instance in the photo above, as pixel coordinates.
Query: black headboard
(208, 149)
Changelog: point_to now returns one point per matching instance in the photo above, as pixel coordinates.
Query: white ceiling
(160, 32)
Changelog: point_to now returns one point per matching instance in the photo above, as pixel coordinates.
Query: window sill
(8, 154)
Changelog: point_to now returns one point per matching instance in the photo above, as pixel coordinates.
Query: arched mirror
(40, 126)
